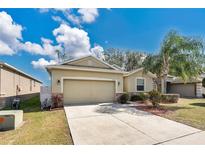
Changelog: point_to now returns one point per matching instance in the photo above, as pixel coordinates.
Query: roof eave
(50, 67)
(17, 70)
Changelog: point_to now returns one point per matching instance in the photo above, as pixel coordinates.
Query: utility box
(10, 119)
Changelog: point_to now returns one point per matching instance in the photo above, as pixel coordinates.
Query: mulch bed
(149, 108)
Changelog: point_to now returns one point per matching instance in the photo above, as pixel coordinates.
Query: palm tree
(60, 55)
(180, 56)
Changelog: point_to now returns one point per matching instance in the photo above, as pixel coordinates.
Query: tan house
(14, 82)
(90, 80)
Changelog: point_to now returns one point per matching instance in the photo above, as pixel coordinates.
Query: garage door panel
(84, 91)
(185, 90)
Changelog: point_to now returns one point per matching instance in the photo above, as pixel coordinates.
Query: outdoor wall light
(58, 82)
(118, 83)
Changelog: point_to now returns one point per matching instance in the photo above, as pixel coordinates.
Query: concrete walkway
(122, 124)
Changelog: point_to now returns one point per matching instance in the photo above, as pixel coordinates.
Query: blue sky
(138, 29)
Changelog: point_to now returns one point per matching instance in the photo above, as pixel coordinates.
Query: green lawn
(188, 111)
(40, 127)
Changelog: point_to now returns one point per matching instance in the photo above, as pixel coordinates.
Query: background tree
(114, 56)
(133, 60)
(154, 64)
(128, 60)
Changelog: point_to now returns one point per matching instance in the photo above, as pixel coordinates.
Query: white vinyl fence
(45, 96)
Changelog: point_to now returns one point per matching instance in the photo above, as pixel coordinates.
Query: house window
(140, 84)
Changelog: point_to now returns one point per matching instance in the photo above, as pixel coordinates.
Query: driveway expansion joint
(86, 116)
(178, 137)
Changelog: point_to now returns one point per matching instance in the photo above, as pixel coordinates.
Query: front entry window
(140, 85)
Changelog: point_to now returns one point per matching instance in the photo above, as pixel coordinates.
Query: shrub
(144, 96)
(139, 97)
(155, 97)
(57, 100)
(135, 98)
(123, 98)
(169, 98)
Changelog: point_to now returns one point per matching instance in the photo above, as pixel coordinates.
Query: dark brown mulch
(149, 108)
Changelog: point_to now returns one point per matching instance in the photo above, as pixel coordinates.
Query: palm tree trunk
(164, 84)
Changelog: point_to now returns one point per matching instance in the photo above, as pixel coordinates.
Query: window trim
(136, 84)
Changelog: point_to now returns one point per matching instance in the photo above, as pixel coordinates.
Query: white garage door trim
(88, 79)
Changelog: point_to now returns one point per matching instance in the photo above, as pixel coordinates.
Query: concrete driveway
(123, 124)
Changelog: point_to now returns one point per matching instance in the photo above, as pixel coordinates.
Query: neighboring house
(192, 87)
(14, 82)
(203, 88)
(90, 80)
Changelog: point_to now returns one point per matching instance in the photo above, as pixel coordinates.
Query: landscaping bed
(40, 127)
(188, 111)
(149, 108)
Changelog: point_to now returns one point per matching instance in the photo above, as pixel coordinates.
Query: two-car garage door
(185, 90)
(88, 91)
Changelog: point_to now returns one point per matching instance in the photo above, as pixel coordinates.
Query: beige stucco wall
(90, 62)
(130, 82)
(58, 74)
(10, 79)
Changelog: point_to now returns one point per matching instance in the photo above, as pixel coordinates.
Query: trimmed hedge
(169, 98)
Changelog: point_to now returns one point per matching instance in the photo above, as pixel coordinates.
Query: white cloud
(5, 49)
(59, 19)
(98, 52)
(76, 16)
(11, 40)
(73, 18)
(41, 63)
(10, 34)
(46, 49)
(74, 40)
(44, 10)
(88, 15)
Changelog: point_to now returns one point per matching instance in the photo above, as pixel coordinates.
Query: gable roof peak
(79, 58)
